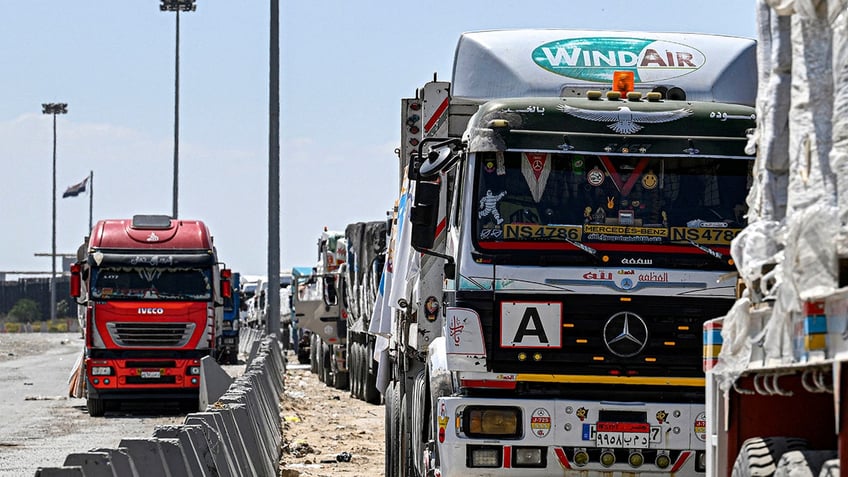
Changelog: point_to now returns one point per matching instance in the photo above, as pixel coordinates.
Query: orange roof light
(622, 81)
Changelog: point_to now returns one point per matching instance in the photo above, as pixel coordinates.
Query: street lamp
(177, 6)
(54, 109)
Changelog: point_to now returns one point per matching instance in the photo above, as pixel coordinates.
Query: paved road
(39, 424)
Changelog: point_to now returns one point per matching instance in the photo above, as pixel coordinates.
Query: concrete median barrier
(93, 464)
(239, 432)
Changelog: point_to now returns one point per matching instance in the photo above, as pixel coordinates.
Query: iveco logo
(625, 334)
(151, 311)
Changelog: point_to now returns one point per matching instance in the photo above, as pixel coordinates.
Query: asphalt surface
(39, 424)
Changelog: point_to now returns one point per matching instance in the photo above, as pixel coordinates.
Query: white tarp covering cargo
(789, 252)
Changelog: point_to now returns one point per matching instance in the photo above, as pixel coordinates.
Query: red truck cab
(152, 292)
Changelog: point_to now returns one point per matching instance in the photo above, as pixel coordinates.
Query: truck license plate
(626, 435)
(150, 374)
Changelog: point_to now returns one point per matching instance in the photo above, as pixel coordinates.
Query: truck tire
(418, 401)
(354, 368)
(392, 460)
(340, 379)
(759, 455)
(363, 369)
(316, 346)
(96, 407)
(302, 356)
(313, 355)
(830, 469)
(326, 362)
(803, 462)
(406, 469)
(370, 393)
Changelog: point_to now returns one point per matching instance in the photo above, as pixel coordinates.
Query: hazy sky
(344, 67)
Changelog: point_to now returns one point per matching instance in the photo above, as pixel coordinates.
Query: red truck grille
(151, 334)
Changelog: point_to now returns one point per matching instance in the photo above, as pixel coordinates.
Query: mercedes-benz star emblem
(625, 334)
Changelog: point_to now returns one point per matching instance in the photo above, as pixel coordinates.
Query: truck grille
(154, 335)
(673, 346)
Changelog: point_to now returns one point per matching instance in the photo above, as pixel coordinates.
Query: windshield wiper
(589, 250)
(713, 253)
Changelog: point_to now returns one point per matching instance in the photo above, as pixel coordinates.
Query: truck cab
(562, 235)
(152, 290)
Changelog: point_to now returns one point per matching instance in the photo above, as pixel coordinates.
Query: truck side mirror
(330, 295)
(424, 213)
(439, 159)
(76, 280)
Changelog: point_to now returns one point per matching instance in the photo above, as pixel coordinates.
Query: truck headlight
(528, 457)
(484, 456)
(101, 371)
(479, 421)
(193, 370)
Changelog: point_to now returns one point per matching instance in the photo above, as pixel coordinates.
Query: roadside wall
(238, 434)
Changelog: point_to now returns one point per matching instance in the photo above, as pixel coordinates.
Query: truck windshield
(181, 284)
(560, 202)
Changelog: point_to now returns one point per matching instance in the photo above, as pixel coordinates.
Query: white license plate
(623, 435)
(623, 440)
(151, 374)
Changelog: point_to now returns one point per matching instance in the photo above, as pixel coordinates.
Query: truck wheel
(326, 362)
(370, 393)
(361, 371)
(804, 462)
(405, 429)
(313, 355)
(319, 357)
(760, 455)
(392, 434)
(96, 407)
(341, 380)
(353, 367)
(302, 356)
(830, 469)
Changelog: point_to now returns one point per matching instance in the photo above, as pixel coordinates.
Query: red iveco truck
(151, 293)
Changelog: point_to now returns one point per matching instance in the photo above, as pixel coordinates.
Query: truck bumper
(143, 378)
(492, 436)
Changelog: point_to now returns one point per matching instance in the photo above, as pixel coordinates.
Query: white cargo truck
(362, 271)
(562, 233)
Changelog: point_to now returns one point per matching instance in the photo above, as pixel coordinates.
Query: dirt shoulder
(324, 427)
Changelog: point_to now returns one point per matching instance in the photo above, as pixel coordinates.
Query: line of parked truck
(541, 299)
(335, 300)
(560, 237)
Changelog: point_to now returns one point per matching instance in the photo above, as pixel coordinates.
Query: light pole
(177, 6)
(54, 109)
(274, 173)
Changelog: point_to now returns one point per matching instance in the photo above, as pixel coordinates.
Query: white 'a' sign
(531, 324)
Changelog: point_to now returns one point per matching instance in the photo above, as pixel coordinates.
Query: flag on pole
(75, 189)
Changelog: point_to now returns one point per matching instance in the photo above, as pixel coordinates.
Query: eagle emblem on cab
(624, 120)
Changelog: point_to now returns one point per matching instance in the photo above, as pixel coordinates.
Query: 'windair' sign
(596, 58)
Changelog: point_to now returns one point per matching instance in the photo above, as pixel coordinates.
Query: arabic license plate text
(150, 374)
(624, 440)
